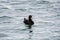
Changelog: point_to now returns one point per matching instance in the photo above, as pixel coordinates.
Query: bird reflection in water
(30, 31)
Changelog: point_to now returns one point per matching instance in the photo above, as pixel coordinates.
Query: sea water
(45, 14)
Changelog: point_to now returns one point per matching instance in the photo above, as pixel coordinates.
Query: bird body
(29, 20)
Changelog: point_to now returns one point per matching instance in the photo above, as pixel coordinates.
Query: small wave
(6, 22)
(39, 3)
(19, 3)
(15, 3)
(58, 15)
(43, 2)
(4, 8)
(5, 17)
(3, 35)
(21, 9)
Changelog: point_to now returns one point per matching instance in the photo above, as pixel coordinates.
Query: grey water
(46, 16)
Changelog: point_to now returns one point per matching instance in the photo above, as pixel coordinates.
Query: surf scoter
(29, 20)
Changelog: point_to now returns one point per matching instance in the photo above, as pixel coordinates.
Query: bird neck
(30, 19)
